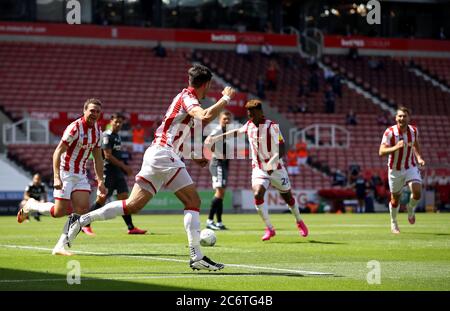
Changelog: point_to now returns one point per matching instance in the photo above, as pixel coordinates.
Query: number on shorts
(284, 181)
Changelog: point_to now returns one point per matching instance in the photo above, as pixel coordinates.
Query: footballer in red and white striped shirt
(401, 143)
(163, 167)
(71, 186)
(267, 149)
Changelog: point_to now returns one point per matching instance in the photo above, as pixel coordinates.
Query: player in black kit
(37, 191)
(115, 171)
(219, 172)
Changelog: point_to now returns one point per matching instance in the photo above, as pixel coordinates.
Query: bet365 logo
(73, 15)
(374, 15)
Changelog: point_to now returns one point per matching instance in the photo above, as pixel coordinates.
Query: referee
(115, 168)
(219, 172)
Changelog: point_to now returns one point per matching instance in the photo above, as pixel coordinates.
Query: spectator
(350, 119)
(339, 178)
(302, 152)
(354, 167)
(312, 62)
(337, 85)
(261, 87)
(360, 189)
(383, 119)
(301, 106)
(348, 30)
(36, 190)
(313, 81)
(242, 50)
(353, 53)
(266, 49)
(329, 100)
(375, 64)
(302, 91)
(159, 50)
(292, 162)
(197, 22)
(272, 75)
(138, 139)
(328, 75)
(354, 171)
(442, 35)
(268, 28)
(290, 61)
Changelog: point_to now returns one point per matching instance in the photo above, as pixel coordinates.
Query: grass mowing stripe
(302, 272)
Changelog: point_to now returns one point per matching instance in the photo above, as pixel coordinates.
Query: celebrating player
(401, 143)
(267, 149)
(162, 165)
(70, 180)
(115, 169)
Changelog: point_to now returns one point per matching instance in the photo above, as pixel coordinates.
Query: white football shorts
(279, 179)
(162, 167)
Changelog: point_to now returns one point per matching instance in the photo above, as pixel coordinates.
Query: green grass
(417, 259)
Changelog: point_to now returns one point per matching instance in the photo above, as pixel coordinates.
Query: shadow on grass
(288, 274)
(21, 280)
(308, 241)
(426, 233)
(14, 280)
(326, 242)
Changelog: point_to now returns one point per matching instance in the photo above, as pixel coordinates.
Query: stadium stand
(293, 71)
(46, 77)
(390, 81)
(438, 68)
(133, 79)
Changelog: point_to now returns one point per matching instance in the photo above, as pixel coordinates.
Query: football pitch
(342, 252)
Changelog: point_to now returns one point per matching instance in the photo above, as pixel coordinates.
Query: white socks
(192, 227)
(411, 206)
(394, 212)
(109, 211)
(264, 214)
(294, 210)
(60, 245)
(43, 208)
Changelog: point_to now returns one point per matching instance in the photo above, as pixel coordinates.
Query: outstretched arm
(213, 139)
(210, 113)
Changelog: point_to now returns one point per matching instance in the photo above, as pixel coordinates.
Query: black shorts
(116, 182)
(219, 173)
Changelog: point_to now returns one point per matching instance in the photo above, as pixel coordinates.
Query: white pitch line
(174, 260)
(279, 269)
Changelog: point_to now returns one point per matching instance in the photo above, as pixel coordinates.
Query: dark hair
(404, 109)
(254, 104)
(93, 101)
(117, 116)
(199, 75)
